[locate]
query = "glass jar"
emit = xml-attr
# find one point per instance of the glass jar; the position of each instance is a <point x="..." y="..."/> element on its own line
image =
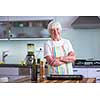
<point x="30" y="49"/>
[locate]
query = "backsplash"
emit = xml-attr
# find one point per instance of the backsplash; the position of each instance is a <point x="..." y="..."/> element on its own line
<point x="17" y="49"/>
<point x="86" y="42"/>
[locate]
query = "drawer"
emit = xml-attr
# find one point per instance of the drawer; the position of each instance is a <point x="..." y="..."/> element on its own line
<point x="97" y="79"/>
<point x="97" y="72"/>
<point x="92" y="73"/>
<point x="81" y="71"/>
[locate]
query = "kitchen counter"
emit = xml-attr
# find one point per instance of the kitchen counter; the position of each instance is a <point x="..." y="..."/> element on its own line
<point x="86" y="66"/>
<point x="12" y="66"/>
<point x="28" y="80"/>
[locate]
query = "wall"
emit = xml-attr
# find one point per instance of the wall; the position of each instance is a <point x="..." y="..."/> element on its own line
<point x="86" y="43"/>
<point x="17" y="49"/>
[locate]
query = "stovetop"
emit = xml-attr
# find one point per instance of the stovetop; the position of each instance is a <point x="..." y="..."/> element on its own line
<point x="87" y="62"/>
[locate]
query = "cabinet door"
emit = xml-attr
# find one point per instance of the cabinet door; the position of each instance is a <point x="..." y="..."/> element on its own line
<point x="13" y="78"/>
<point x="9" y="71"/>
<point x="91" y="72"/>
<point x="81" y="71"/>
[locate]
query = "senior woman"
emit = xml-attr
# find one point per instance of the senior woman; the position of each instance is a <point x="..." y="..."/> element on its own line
<point x="58" y="52"/>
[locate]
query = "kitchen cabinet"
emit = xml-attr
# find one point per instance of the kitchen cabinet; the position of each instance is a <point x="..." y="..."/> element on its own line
<point x="9" y="71"/>
<point x="38" y="29"/>
<point x="12" y="27"/>
<point x="91" y="72"/>
<point x="14" y="73"/>
<point x="94" y="73"/>
<point x="88" y="72"/>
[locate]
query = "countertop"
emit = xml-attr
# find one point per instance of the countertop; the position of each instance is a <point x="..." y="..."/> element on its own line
<point x="13" y="66"/>
<point x="25" y="66"/>
<point x="28" y="80"/>
<point x="86" y="66"/>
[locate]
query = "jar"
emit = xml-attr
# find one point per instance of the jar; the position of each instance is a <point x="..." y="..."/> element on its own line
<point x="30" y="49"/>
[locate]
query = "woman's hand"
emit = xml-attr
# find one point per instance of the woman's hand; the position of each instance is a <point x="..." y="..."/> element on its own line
<point x="54" y="61"/>
<point x="70" y="58"/>
<point x="61" y="60"/>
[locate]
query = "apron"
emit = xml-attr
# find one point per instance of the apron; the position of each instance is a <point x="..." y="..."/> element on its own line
<point x="58" y="51"/>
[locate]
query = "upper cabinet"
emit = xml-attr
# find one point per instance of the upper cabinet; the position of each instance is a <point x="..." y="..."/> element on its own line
<point x="24" y="26"/>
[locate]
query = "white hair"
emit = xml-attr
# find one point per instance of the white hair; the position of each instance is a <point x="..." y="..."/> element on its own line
<point x="54" y="24"/>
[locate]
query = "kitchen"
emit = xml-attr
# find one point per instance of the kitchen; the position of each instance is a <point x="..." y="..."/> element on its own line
<point x="85" y="41"/>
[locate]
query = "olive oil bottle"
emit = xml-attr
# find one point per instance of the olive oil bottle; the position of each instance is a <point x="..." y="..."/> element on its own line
<point x="34" y="71"/>
<point x="42" y="71"/>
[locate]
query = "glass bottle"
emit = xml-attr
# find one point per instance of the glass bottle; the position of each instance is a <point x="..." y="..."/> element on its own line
<point x="34" y="71"/>
<point x="42" y="71"/>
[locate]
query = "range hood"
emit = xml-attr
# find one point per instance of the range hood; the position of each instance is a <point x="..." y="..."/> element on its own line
<point x="86" y="22"/>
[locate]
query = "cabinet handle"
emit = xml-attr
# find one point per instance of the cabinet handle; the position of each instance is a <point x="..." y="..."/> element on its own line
<point x="97" y="70"/>
<point x="98" y="79"/>
<point x="75" y="70"/>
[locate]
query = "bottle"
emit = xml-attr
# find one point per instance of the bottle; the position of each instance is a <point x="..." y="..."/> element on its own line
<point x="46" y="69"/>
<point x="38" y="72"/>
<point x="34" y="71"/>
<point x="38" y="69"/>
<point x="42" y="71"/>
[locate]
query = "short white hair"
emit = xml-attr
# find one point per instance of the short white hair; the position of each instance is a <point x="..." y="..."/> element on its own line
<point x="54" y="24"/>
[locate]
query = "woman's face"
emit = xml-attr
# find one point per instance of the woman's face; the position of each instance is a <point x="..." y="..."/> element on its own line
<point x="55" y="33"/>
